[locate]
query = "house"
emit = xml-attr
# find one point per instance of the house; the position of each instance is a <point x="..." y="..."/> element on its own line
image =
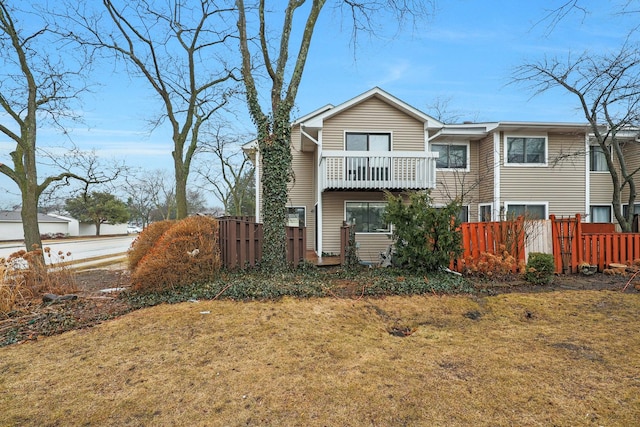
<point x="344" y="156"/>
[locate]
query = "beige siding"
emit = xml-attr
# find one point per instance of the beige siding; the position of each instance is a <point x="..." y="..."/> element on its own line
<point x="631" y="152"/>
<point x="333" y="214"/>
<point x="374" y="115"/>
<point x="562" y="185"/>
<point x="601" y="190"/>
<point x="487" y="167"/>
<point x="302" y="190"/>
<point x="451" y="184"/>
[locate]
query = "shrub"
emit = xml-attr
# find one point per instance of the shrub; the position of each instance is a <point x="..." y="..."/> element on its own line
<point x="540" y="269"/>
<point x="426" y="237"/>
<point x="24" y="276"/>
<point x="145" y="241"/>
<point x="186" y="253"/>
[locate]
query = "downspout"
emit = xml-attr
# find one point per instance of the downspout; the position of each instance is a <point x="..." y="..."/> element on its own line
<point x="495" y="214"/>
<point x="587" y="178"/>
<point x="319" y="193"/>
<point x="257" y="185"/>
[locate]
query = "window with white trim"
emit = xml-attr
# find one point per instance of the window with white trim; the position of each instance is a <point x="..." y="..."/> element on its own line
<point x="367" y="216"/>
<point x="527" y="210"/>
<point x="451" y="156"/>
<point x="485" y="213"/>
<point x="363" y="141"/>
<point x="636" y="209"/>
<point x="600" y="213"/>
<point x="526" y="150"/>
<point x="597" y="159"/>
<point x="296" y="216"/>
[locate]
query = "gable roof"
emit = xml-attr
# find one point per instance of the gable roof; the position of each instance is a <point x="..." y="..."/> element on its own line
<point x="316" y="119"/>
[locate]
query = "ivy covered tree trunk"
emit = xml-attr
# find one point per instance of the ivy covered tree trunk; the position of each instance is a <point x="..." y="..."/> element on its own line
<point x="29" y="214"/>
<point x="276" y="173"/>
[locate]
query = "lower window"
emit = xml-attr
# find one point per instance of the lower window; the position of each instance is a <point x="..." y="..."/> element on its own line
<point x="485" y="213"/>
<point x="600" y="214"/>
<point x="528" y="211"/>
<point x="296" y="217"/>
<point x="367" y="216"/>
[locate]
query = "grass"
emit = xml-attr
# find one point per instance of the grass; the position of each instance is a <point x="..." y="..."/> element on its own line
<point x="557" y="358"/>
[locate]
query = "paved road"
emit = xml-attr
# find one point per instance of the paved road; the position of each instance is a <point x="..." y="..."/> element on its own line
<point x="79" y="248"/>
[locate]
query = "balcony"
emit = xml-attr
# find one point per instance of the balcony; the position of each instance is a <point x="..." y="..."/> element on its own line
<point x="369" y="170"/>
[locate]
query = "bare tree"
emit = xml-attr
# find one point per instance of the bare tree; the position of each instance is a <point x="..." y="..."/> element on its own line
<point x="607" y="89"/>
<point x="181" y="50"/>
<point x="39" y="81"/>
<point x="284" y="66"/>
<point x="230" y="174"/>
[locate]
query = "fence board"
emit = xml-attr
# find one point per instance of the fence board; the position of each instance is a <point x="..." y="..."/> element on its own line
<point x="241" y="243"/>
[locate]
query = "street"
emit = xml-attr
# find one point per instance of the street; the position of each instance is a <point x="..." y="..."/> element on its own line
<point x="79" y="249"/>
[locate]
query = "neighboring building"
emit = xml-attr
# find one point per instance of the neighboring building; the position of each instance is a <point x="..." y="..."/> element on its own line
<point x="11" y="225"/>
<point x="345" y="155"/>
<point x="51" y="224"/>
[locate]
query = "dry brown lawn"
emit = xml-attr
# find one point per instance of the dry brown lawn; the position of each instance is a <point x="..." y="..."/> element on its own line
<point x="541" y="359"/>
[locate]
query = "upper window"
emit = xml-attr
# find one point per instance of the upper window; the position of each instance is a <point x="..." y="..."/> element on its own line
<point x="451" y="156"/>
<point x="526" y="150"/>
<point x="367" y="216"/>
<point x="597" y="159"/>
<point x="361" y="141"/>
<point x="528" y="211"/>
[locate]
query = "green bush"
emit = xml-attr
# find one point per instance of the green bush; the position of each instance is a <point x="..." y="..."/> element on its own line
<point x="425" y="237"/>
<point x="540" y="268"/>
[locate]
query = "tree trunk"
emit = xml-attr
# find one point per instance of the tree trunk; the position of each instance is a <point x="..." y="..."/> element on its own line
<point x="276" y="164"/>
<point x="29" y="214"/>
<point x="181" y="188"/>
<point x="98" y="228"/>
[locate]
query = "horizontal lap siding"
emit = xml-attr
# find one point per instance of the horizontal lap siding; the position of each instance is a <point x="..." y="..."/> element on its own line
<point x="370" y="116"/>
<point x="333" y="211"/>
<point x="486" y="167"/>
<point x="562" y="185"/>
<point x="302" y="190"/>
<point x="600" y="188"/>
<point x="452" y="184"/>
<point x="631" y="152"/>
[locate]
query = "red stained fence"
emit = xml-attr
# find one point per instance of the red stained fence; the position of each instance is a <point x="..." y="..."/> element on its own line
<point x="575" y="242"/>
<point x="491" y="237"/>
<point x="241" y="243"/>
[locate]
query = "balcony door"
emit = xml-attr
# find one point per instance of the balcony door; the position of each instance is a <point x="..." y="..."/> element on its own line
<point x="371" y="168"/>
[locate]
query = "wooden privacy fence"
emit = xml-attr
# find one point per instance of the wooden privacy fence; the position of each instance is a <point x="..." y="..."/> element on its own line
<point x="575" y="242"/>
<point x="241" y="243"/>
<point x="480" y="238"/>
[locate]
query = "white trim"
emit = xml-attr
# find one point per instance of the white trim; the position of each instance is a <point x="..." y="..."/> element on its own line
<point x="495" y="212"/>
<point x="587" y="178"/>
<point x="375" y="233"/>
<point x="467" y="144"/>
<point x="528" y="203"/>
<point x="527" y="135"/>
<point x="319" y="213"/>
<point x="257" y="185"/>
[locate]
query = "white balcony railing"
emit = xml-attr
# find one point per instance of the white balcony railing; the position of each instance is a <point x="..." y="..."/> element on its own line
<point x="365" y="170"/>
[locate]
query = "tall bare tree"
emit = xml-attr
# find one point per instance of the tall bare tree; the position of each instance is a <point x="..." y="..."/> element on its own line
<point x="607" y="90"/>
<point x="39" y="81"/>
<point x="283" y="60"/>
<point x="227" y="171"/>
<point x="181" y="49"/>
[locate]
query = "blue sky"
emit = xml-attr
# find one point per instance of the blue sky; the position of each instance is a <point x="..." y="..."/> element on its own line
<point x="465" y="53"/>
